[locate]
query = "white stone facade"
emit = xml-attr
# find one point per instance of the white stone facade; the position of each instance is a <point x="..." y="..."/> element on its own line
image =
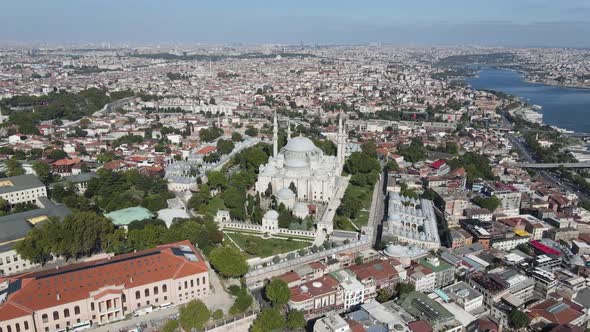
<point x="303" y="168"/>
<point x="412" y="221"/>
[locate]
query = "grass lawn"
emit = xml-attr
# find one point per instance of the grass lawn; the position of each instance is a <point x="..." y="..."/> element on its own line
<point x="257" y="246"/>
<point x="228" y="242"/>
<point x="343" y="223"/>
<point x="365" y="195"/>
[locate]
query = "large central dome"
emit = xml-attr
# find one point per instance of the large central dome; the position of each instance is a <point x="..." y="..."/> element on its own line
<point x="300" y="144"/>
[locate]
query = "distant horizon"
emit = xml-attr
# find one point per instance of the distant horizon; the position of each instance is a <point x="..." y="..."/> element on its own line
<point x="500" y="23"/>
<point x="308" y="46"/>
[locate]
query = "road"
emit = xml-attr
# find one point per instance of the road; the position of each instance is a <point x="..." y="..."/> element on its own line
<point x="377" y="211"/>
<point x="546" y="175"/>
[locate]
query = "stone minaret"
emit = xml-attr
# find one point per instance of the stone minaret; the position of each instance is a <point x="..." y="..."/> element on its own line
<point x="288" y="129"/>
<point x="275" y="137"/>
<point x="341" y="142"/>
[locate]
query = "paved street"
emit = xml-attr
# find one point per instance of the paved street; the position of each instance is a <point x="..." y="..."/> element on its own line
<point x="377" y="208"/>
<point x="546" y="175"/>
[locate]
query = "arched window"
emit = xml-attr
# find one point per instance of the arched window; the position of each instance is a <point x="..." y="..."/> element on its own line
<point x="8" y="328"/>
<point x="66" y="313"/>
<point x="155" y="290"/>
<point x="137" y="295"/>
<point x="76" y="310"/>
<point x="55" y="315"/>
<point x="1" y="329"/>
<point x="44" y="318"/>
<point x="17" y="325"/>
<point x="26" y="325"/>
<point x="146" y="292"/>
<point x="164" y="288"/>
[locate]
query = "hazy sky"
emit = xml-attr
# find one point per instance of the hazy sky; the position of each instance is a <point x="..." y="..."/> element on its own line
<point x="413" y="22"/>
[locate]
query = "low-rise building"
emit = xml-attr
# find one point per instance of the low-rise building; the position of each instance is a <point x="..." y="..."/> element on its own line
<point x="22" y="189"/>
<point x="317" y="296"/>
<point x="15" y="227"/>
<point x="465" y="296"/>
<point x="102" y="291"/>
<point x="444" y="273"/>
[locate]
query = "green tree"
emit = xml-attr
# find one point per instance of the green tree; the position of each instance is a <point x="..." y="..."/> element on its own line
<point x="277" y="291"/>
<point x="518" y="319"/>
<point x="234" y="199"/>
<point x="225" y="146"/>
<point x="14" y="168"/>
<point x="413" y="152"/>
<point x="491" y="203"/>
<point x="404" y="288"/>
<point x="210" y="134"/>
<point x="148" y="237"/>
<point x="217" y="314"/>
<point x="242" y="303"/>
<point x="4" y="206"/>
<point x="236" y="137"/>
<point x="200" y="198"/>
<point x="79" y="234"/>
<point x="154" y="202"/>
<point x="251" y="131"/>
<point x="360" y="162"/>
<point x="43" y="171"/>
<point x="57" y="154"/>
<point x="392" y="166"/>
<point x="212" y="157"/>
<point x="216" y="180"/>
<point x="476" y="166"/>
<point x="383" y="295"/>
<point x="228" y="261"/>
<point x="269" y="319"/>
<point x="171" y="326"/>
<point x="369" y="148"/>
<point x="194" y="315"/>
<point x="34" y="247"/>
<point x="296" y="320"/>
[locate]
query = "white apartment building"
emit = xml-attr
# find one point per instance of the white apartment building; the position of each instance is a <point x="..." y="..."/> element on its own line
<point x="22" y="189"/>
<point x="353" y="291"/>
<point x="464" y="296"/>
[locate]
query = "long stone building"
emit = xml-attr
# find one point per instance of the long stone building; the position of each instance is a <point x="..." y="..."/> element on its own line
<point x="102" y="291"/>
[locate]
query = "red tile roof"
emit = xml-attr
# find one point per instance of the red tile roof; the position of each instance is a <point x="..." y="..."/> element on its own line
<point x="437" y="164"/>
<point x="289" y="277"/>
<point x="420" y="326"/>
<point x="314" y="288"/>
<point x="380" y="270"/>
<point x="207" y="149"/>
<point x="39" y="290"/>
<point x="67" y="162"/>
<point x="557" y="312"/>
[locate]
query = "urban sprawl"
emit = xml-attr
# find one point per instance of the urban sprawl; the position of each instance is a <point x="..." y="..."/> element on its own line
<point x="289" y="188"/>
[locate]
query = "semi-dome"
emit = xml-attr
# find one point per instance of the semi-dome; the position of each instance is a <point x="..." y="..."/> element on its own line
<point x="285" y="193"/>
<point x="394" y="250"/>
<point x="271" y="214"/>
<point x="270" y="169"/>
<point x="296" y="162"/>
<point x="300" y="144"/>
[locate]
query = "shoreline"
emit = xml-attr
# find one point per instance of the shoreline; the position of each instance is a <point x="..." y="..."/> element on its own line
<point x="537" y="108"/>
<point x="527" y="78"/>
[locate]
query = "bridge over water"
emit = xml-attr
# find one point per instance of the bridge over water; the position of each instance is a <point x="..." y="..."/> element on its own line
<point x="553" y="165"/>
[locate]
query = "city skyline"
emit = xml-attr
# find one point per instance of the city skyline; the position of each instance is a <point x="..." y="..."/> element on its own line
<point x="501" y="23"/>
